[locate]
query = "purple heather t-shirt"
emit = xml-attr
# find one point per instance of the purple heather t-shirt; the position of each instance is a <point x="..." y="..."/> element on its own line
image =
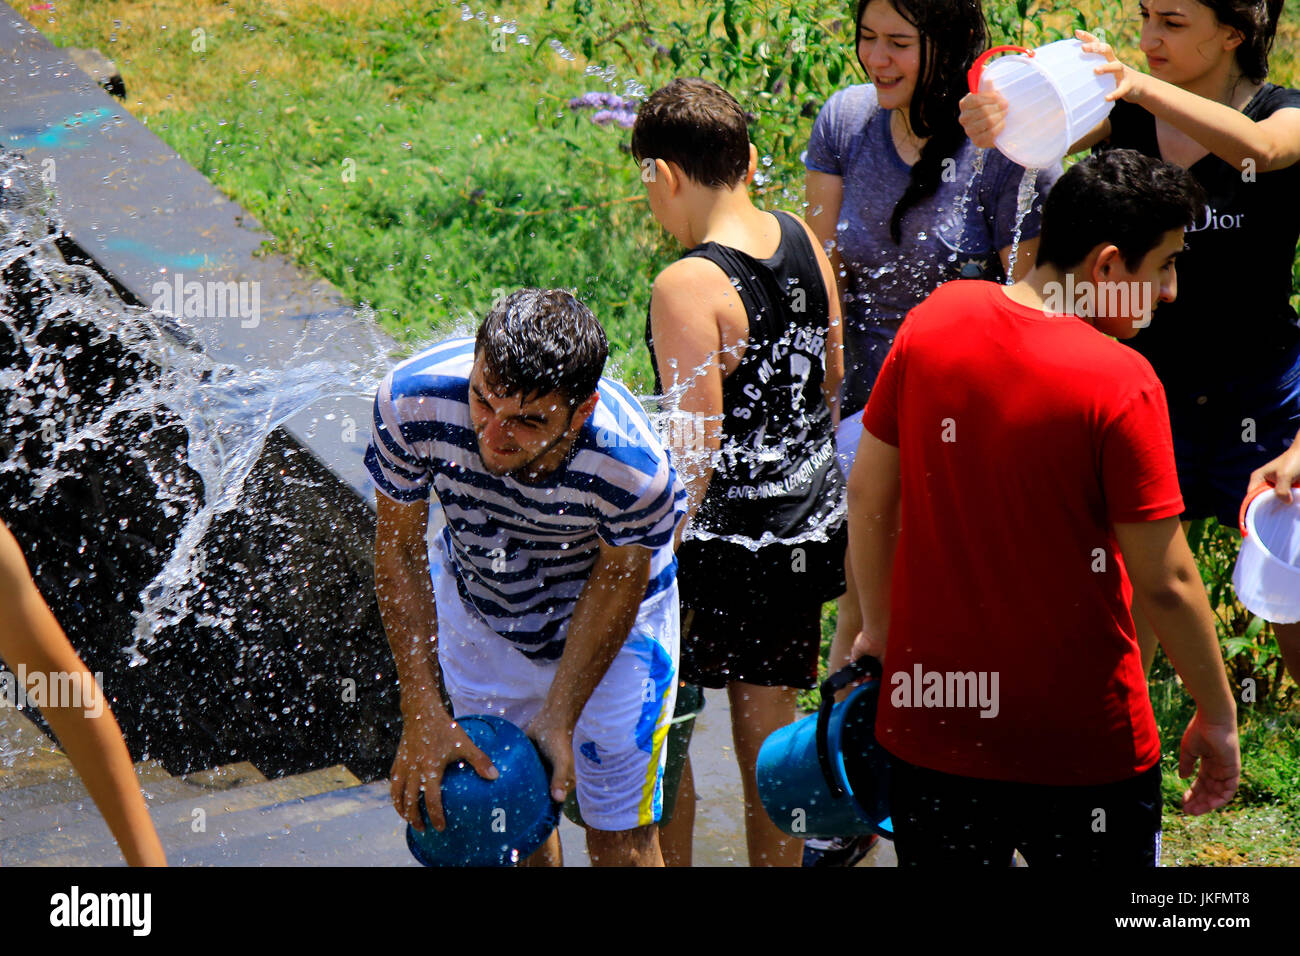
<point x="884" y="281"/>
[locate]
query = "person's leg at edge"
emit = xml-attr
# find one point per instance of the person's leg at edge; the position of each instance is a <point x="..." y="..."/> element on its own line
<point x="848" y="622"/>
<point x="548" y="854"/>
<point x="1288" y="641"/>
<point x="636" y="847"/>
<point x="677" y="835"/>
<point x="756" y="712"/>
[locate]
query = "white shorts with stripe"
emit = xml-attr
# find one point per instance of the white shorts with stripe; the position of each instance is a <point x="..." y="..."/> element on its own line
<point x="619" y="743"/>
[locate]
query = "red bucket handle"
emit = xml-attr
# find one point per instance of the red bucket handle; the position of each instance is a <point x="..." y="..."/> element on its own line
<point x="977" y="68"/>
<point x="1251" y="496"/>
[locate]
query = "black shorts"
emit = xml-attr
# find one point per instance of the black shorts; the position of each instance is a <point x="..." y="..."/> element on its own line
<point x="768" y="645"/>
<point x="944" y="820"/>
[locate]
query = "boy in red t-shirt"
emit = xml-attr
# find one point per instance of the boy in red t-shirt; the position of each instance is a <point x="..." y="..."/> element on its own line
<point x="1016" y="474"/>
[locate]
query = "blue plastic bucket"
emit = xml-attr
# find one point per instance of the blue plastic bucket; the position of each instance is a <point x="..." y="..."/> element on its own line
<point x="490" y="822"/>
<point x="825" y="775"/>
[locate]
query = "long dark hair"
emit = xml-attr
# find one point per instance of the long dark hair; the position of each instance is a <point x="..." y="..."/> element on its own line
<point x="953" y="34"/>
<point x="1257" y="21"/>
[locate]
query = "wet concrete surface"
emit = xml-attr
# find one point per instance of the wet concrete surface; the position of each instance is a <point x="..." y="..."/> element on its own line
<point x="719" y="809"/>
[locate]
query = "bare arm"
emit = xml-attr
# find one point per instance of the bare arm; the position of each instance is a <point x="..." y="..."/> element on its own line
<point x="1282" y="472"/>
<point x="1168" y="585"/>
<point x="688" y="344"/>
<point x="602" y="619"/>
<point x="875" y="496"/>
<point x="430" y="739"/>
<point x="1269" y="144"/>
<point x="31" y="637"/>
<point x="824" y="195"/>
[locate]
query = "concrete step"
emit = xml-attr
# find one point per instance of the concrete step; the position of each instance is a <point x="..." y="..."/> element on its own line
<point x="48" y="814"/>
<point x="355" y="826"/>
<point x="58" y="787"/>
<point x="352" y="827"/>
<point x="89" y="841"/>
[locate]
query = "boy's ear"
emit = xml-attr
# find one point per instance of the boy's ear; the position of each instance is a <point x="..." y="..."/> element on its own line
<point x="669" y="174"/>
<point x="753" y="164"/>
<point x="583" y="412"/>
<point x="1108" y="259"/>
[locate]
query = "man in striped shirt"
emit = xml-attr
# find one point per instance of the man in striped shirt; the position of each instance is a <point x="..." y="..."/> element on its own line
<point x="554" y="600"/>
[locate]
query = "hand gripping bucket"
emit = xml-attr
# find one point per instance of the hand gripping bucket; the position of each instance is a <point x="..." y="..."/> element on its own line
<point x="1053" y="98"/>
<point x="825" y="775"/>
<point x="490" y="822"/>
<point x="1267" y="574"/>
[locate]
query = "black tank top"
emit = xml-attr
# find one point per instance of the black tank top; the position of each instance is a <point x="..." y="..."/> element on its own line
<point x="776" y="478"/>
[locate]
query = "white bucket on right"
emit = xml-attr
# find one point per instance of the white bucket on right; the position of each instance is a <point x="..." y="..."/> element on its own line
<point x="1267" y="574"/>
<point x="1054" y="98"/>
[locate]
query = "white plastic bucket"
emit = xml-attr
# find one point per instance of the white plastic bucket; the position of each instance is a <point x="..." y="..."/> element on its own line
<point x="1267" y="575"/>
<point x="1053" y="98"/>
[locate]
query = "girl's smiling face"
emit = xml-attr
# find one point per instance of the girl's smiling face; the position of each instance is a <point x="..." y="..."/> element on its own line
<point x="889" y="49"/>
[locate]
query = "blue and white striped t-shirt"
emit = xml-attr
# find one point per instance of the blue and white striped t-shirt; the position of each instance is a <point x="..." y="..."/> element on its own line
<point x="522" y="553"/>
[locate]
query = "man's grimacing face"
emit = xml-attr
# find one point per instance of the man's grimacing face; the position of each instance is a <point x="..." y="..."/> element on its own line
<point x="514" y="433"/>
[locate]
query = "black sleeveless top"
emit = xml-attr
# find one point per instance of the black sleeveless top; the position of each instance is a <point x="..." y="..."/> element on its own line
<point x="776" y="482"/>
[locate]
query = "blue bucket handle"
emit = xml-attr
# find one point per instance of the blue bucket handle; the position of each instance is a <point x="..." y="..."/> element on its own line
<point x="866" y="666"/>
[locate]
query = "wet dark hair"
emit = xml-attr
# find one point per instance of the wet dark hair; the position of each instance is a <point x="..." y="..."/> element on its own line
<point x="537" y="341"/>
<point x="697" y="125"/>
<point x="953" y="33"/>
<point x="1119" y="197"/>
<point x="1257" y="21"/>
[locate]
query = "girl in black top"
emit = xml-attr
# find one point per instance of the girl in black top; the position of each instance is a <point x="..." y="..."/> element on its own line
<point x="1228" y="348"/>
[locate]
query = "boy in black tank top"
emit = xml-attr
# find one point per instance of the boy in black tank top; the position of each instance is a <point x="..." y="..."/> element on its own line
<point x="746" y="344"/>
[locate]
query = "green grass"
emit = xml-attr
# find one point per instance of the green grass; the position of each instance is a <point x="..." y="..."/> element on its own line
<point x="393" y="149"/>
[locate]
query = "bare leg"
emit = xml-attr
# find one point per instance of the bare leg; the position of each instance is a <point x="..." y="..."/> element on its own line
<point x="848" y="622"/>
<point x="548" y="854"/>
<point x="756" y="712"/>
<point x="675" y="838"/>
<point x="1288" y="640"/>
<point x="638" y="847"/>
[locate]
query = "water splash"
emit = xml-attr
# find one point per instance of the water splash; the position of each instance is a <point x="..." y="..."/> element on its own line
<point x="1025" y="196"/>
<point x="227" y="411"/>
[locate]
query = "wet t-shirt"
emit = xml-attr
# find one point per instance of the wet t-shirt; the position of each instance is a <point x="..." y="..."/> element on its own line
<point x="884" y="280"/>
<point x="522" y="552"/>
<point x="1232" y="325"/>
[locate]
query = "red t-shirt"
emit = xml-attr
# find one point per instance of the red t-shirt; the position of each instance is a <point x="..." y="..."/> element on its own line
<point x="1022" y="438"/>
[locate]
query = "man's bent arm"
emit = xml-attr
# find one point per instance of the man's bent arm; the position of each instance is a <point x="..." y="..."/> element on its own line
<point x="405" y="593"/>
<point x="875" y="494"/>
<point x="602" y="619"/>
<point x="430" y="740"/>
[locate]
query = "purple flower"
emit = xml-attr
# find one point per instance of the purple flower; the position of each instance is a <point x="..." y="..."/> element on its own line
<point x="601" y="99"/>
